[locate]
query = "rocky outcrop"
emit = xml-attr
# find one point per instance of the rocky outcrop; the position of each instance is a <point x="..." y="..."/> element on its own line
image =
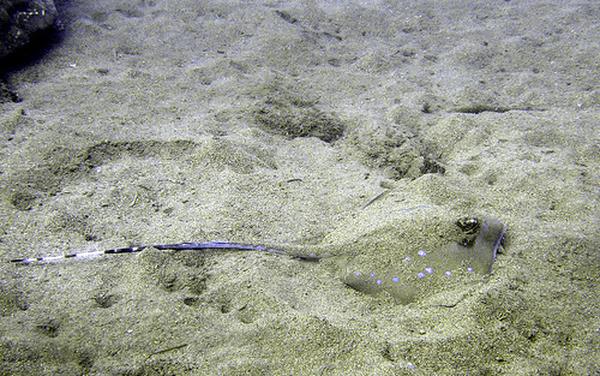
<point x="21" y="21"/>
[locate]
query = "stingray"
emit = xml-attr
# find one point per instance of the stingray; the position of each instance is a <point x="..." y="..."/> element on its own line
<point x="423" y="272"/>
<point x="380" y="262"/>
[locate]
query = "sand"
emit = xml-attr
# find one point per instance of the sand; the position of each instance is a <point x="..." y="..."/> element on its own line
<point x="307" y="123"/>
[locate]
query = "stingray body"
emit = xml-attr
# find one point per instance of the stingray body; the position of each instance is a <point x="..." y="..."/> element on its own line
<point x="421" y="272"/>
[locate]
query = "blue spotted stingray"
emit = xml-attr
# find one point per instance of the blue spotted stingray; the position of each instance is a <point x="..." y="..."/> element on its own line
<point x="414" y="274"/>
<point x="422" y="272"/>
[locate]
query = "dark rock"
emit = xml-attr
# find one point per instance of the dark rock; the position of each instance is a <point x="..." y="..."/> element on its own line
<point x="7" y="94"/>
<point x="21" y="21"/>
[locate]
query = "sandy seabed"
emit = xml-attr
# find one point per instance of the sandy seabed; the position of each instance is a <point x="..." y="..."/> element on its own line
<point x="307" y="123"/>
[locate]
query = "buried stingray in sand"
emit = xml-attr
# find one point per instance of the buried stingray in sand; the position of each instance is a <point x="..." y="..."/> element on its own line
<point x="421" y="272"/>
<point x="406" y="265"/>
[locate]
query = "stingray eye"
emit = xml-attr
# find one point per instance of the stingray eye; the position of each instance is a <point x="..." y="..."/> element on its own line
<point x="468" y="225"/>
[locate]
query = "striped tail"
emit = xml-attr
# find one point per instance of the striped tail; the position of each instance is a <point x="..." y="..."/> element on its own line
<point x="177" y="246"/>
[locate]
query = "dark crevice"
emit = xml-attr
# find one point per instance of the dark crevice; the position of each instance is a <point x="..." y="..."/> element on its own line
<point x="480" y="108"/>
<point x="286" y="17"/>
